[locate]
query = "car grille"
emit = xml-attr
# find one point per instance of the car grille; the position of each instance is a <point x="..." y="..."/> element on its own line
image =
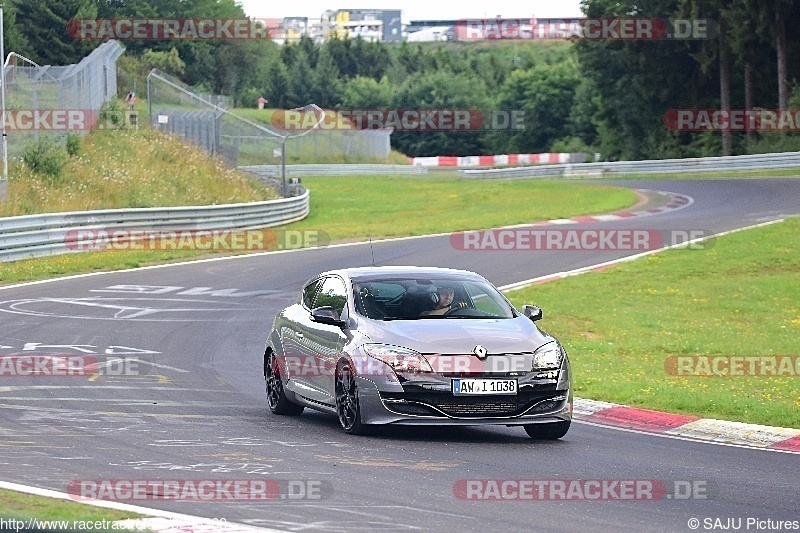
<point x="460" y="407"/>
<point x="420" y="403"/>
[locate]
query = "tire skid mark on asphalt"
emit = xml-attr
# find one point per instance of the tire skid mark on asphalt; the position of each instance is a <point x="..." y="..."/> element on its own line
<point x="32" y="445"/>
<point x="13" y="388"/>
<point x="160" y="379"/>
<point x="366" y="460"/>
<point x="198" y="525"/>
<point x="128" y="401"/>
<point x="259" y="467"/>
<point x="369" y="512"/>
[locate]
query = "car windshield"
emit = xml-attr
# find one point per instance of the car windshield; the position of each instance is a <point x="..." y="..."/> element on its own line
<point x="415" y="299"/>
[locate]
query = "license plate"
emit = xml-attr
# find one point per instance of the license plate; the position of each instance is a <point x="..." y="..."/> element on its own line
<point x="484" y="386"/>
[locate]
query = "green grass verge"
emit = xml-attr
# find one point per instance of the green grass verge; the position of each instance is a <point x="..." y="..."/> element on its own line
<point x="738" y="297"/>
<point x="347" y="208"/>
<point x="22" y="506"/>
<point x="127" y="168"/>
<point x="390" y="206"/>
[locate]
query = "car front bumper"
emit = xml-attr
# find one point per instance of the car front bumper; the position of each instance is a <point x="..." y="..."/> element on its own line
<point x="414" y="406"/>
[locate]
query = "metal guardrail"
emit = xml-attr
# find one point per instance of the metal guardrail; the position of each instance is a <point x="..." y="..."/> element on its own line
<point x="30" y="236"/>
<point x="657" y="166"/>
<point x="334" y="170"/>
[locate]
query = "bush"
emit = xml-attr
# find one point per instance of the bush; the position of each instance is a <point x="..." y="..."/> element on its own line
<point x="111" y="115"/>
<point x="73" y="144"/>
<point x="572" y="145"/>
<point x="774" y="142"/>
<point x="45" y="156"/>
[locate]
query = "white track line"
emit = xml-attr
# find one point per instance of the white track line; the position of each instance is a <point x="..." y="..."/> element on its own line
<point x="583" y="270"/>
<point x="173" y="518"/>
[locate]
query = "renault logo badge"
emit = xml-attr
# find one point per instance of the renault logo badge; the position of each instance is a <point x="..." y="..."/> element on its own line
<point x="480" y="351"/>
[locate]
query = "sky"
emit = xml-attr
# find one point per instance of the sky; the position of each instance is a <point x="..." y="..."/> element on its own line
<point x="418" y="9"/>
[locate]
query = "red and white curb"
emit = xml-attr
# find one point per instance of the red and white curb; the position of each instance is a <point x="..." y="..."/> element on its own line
<point x="493" y="160"/>
<point x="676" y="201"/>
<point x="687" y="427"/>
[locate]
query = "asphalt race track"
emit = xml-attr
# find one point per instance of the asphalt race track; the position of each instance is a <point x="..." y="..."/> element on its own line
<point x="197" y="409"/>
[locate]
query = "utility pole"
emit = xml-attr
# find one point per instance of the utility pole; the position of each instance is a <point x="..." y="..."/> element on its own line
<point x="4" y="181"/>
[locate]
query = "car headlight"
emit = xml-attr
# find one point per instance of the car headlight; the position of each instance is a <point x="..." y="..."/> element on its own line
<point x="398" y="358"/>
<point x="547" y="357"/>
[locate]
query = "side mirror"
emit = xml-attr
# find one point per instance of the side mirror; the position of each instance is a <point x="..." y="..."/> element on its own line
<point x="532" y="312"/>
<point x="327" y="315"/>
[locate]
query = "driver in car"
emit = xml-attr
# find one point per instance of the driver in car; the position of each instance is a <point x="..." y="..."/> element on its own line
<point x="444" y="302"/>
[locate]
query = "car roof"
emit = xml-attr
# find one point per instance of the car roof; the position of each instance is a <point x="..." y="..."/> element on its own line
<point x="366" y="273"/>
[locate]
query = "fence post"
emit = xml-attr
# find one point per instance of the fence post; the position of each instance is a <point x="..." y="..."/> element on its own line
<point x="283" y="167"/>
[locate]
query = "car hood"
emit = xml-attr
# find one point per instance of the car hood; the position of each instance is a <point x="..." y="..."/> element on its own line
<point x="457" y="336"/>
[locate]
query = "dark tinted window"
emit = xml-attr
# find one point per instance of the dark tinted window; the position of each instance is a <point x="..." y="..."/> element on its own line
<point x="407" y="299"/>
<point x="332" y="293"/>
<point x="309" y="292"/>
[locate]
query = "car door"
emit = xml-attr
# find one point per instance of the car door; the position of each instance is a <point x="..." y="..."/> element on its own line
<point x="327" y="341"/>
<point x="298" y="352"/>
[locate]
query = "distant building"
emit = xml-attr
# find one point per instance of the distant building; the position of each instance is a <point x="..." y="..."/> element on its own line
<point x="433" y="33"/>
<point x="292" y="29"/>
<point x="392" y="26"/>
<point x="384" y="25"/>
<point x="369" y="24"/>
<point x="431" y="30"/>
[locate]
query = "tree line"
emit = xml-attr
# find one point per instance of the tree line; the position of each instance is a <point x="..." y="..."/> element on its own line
<point x="605" y="96"/>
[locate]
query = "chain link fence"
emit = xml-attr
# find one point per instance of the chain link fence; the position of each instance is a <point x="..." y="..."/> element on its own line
<point x="56" y="100"/>
<point x="207" y="121"/>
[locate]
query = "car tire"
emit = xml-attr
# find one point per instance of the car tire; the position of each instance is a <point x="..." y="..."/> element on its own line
<point x="552" y="431"/>
<point x="347" y="405"/>
<point x="278" y="403"/>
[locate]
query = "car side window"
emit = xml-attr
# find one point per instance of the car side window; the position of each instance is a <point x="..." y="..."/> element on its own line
<point x="332" y="293"/>
<point x="310" y="292"/>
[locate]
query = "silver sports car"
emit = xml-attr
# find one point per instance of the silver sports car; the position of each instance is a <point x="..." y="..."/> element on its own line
<point x="411" y="345"/>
